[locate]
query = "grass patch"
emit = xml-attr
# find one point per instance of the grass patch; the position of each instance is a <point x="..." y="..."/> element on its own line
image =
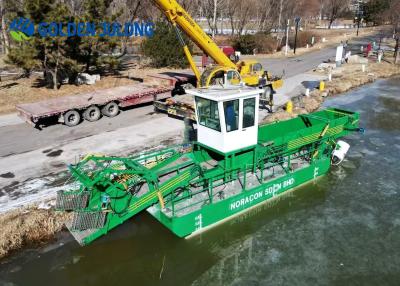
<point x="28" y="227"/>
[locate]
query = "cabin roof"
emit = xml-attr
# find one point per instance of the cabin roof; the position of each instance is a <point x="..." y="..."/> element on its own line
<point x="223" y="93"/>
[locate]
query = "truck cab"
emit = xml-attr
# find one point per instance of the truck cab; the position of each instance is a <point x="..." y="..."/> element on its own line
<point x="227" y="119"/>
<point x="220" y="76"/>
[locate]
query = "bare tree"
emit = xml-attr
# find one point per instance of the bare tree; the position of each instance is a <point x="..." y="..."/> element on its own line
<point x="211" y="12"/>
<point x="335" y="9"/>
<point x="231" y="10"/>
<point x="191" y="6"/>
<point x="4" y="36"/>
<point x="243" y="15"/>
<point x="266" y="13"/>
<point x="394" y="8"/>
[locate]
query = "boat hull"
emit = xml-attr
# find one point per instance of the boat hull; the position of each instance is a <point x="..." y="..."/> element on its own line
<point x="213" y="214"/>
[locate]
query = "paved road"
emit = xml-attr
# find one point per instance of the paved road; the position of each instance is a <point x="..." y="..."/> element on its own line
<point x="30" y="160"/>
<point x="296" y="65"/>
<point x="20" y="138"/>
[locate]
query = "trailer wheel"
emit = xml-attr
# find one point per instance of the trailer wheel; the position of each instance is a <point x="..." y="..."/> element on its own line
<point x="72" y="118"/>
<point x="92" y="113"/>
<point x="111" y="109"/>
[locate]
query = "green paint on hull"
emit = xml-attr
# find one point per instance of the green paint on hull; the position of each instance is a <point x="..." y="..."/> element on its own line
<point x="190" y="187"/>
<point x="212" y="214"/>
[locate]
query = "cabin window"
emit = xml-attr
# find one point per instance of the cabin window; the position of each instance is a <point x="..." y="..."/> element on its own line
<point x="232" y="75"/>
<point x="257" y="67"/>
<point x="249" y="110"/>
<point x="207" y="113"/>
<point x="231" y="109"/>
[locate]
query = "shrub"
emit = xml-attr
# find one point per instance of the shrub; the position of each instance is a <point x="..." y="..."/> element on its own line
<point x="164" y="48"/>
<point x="108" y="64"/>
<point x="246" y="44"/>
<point x="260" y="42"/>
<point x="303" y="38"/>
<point x="266" y="44"/>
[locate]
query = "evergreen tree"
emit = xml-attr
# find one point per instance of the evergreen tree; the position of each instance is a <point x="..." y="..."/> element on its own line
<point x="56" y="64"/>
<point x="97" y="51"/>
<point x="375" y="11"/>
<point x="25" y="56"/>
<point x="63" y="57"/>
<point x="164" y="48"/>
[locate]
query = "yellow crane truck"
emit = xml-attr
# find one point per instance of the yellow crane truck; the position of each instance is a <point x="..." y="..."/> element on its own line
<point x="225" y="72"/>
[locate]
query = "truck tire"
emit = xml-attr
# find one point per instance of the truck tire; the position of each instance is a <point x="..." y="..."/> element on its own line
<point x="72" y="118"/>
<point x="92" y="113"/>
<point x="111" y="109"/>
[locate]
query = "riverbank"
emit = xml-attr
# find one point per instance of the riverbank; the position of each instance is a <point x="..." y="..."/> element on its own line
<point x="344" y="78"/>
<point x="29" y="227"/>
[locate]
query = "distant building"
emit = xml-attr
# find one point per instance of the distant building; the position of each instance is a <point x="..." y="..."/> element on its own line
<point x="358" y="7"/>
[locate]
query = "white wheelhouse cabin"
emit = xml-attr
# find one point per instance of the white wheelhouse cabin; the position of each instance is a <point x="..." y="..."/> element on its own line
<point x="227" y="118"/>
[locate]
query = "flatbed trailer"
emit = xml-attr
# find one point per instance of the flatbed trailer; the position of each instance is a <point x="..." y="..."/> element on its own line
<point x="90" y="106"/>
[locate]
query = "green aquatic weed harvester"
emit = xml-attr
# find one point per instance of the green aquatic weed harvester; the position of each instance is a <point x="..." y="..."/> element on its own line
<point x="233" y="166"/>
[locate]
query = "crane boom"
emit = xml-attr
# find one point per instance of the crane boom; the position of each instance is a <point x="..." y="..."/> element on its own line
<point x="178" y="16"/>
<point x="226" y="71"/>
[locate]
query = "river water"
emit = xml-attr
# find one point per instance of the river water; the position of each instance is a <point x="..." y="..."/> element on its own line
<point x="343" y="229"/>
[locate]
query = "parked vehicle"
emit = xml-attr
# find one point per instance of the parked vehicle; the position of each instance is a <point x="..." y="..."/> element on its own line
<point x="70" y="110"/>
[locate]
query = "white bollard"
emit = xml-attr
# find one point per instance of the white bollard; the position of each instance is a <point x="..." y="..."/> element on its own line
<point x="330" y="76"/>
<point x="362" y="49"/>
<point x="307" y="92"/>
<point x="380" y="55"/>
<point x="363" y="68"/>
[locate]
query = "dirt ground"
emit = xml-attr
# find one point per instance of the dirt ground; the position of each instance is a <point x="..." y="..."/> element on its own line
<point x="28" y="227"/>
<point x="25" y="90"/>
<point x="332" y="38"/>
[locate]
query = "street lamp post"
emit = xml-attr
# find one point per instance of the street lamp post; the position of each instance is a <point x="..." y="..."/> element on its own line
<point x="287" y="38"/>
<point x="358" y="24"/>
<point x="396" y="49"/>
<point x="297" y="21"/>
<point x="358" y="17"/>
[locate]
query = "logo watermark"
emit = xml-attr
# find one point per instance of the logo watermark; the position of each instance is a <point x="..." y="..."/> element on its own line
<point x="22" y="29"/>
